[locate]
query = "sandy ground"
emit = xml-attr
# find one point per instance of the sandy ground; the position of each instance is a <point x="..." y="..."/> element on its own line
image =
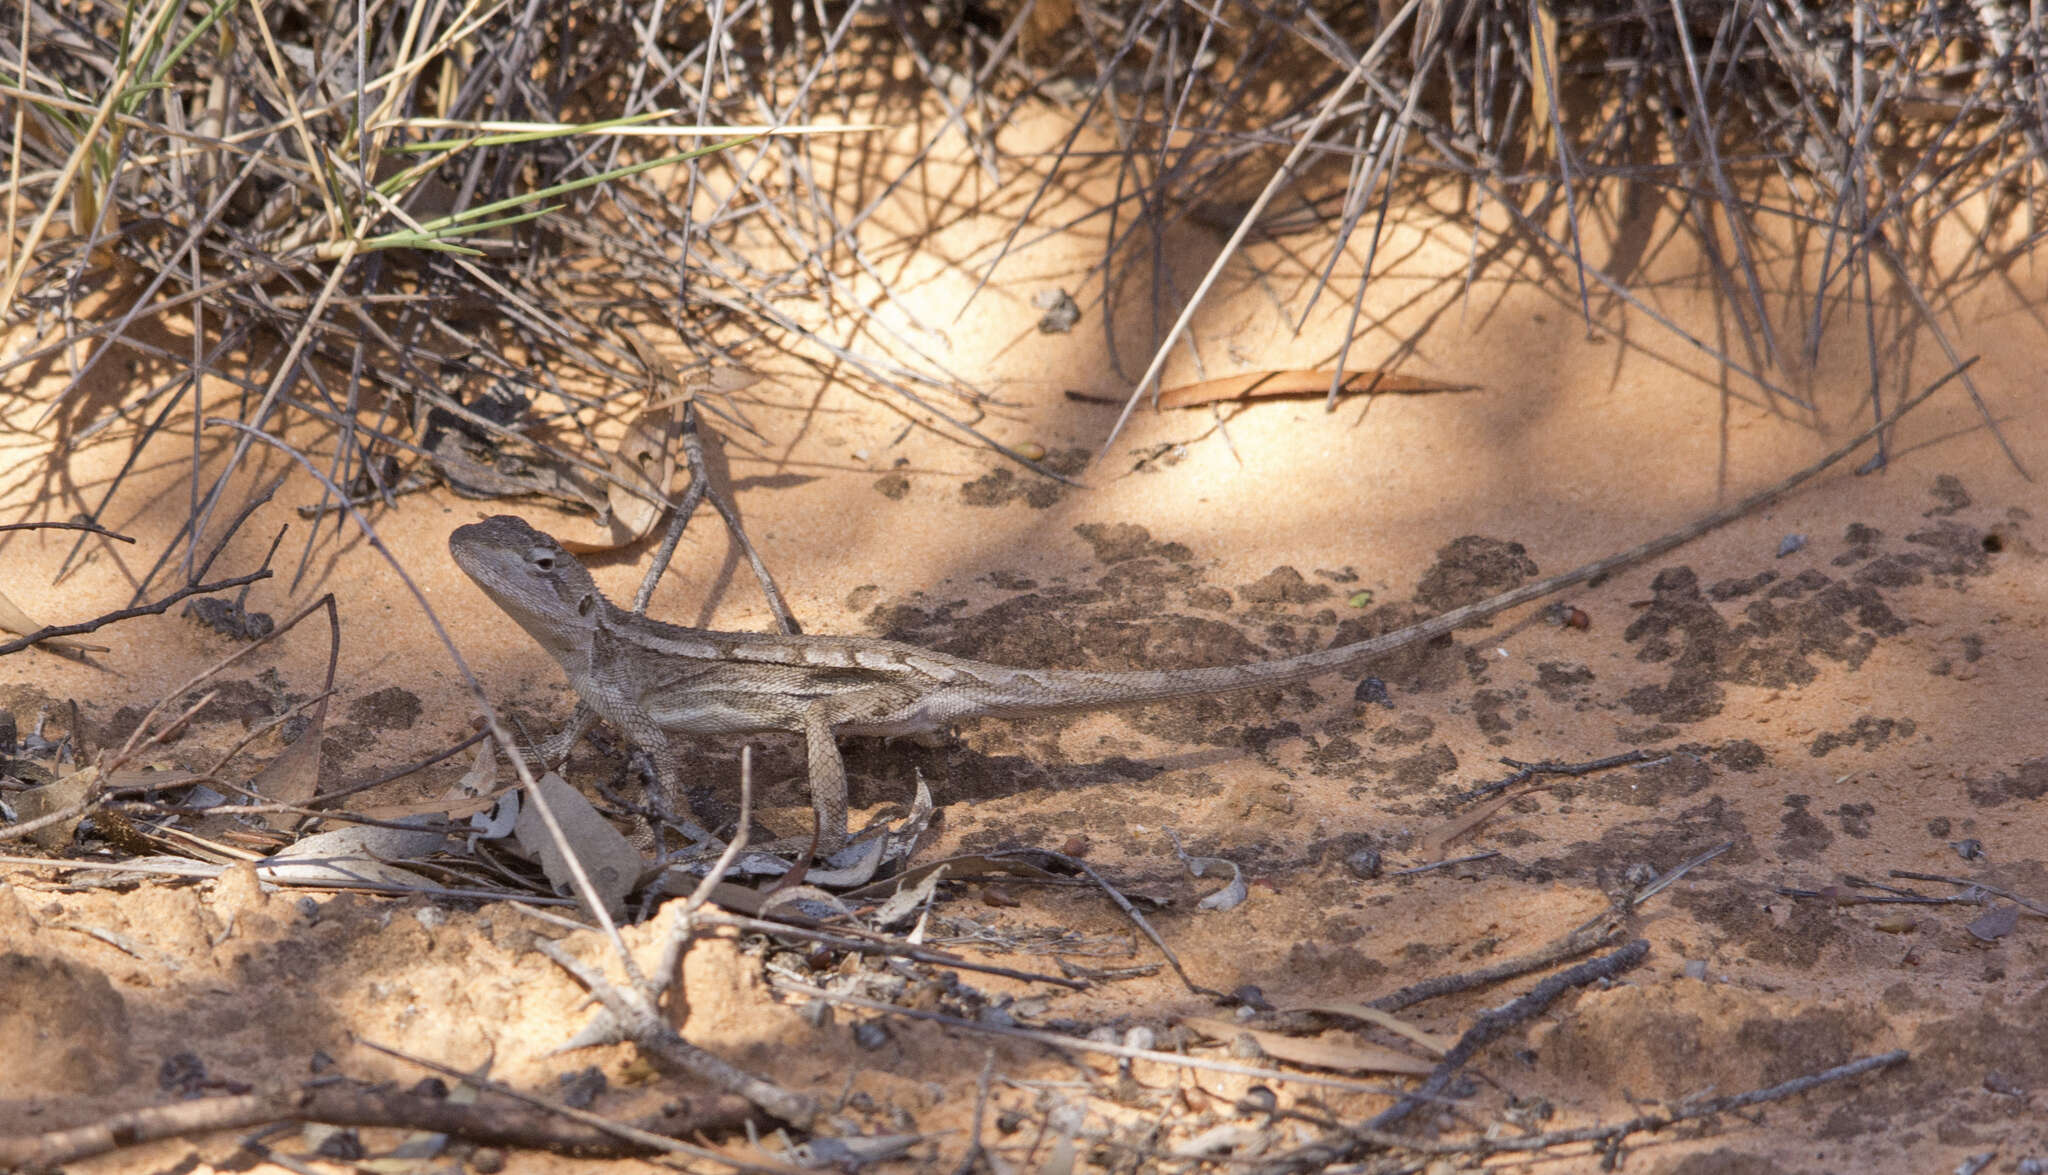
<point x="1864" y="701"/>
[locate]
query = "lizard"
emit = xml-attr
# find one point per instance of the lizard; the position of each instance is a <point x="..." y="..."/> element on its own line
<point x="653" y="679"/>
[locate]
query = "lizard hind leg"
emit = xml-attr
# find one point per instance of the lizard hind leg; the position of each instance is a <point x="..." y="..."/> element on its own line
<point x="828" y="780"/>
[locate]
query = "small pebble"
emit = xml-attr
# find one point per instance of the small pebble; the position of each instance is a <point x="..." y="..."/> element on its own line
<point x="1365" y="864"/>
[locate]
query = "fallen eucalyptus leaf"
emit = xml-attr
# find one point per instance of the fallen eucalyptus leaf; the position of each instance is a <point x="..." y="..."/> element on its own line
<point x="907" y="900"/>
<point x="18" y="622"/>
<point x="67" y="792"/>
<point x="608" y="858"/>
<point x="358" y="853"/>
<point x="1339" y="1051"/>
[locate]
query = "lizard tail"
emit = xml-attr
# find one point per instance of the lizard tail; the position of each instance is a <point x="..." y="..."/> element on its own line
<point x="1055" y="691"/>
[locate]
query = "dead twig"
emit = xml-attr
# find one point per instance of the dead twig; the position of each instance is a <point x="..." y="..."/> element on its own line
<point x="638" y="1020"/>
<point x="120" y="614"/>
<point x="1061" y="1040"/>
<point x="94" y="527"/>
<point x="1584" y="940"/>
<point x="496" y="1119"/>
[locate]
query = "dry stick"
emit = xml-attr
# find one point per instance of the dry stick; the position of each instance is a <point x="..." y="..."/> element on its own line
<point x="136" y="739"/>
<point x="95" y="795"/>
<point x="1496" y="1022"/>
<point x="2008" y="895"/>
<point x="636" y="1017"/>
<point x="1595" y="933"/>
<point x="1490" y="1025"/>
<point x="1581" y="941"/>
<point x="733" y="849"/>
<point x="114" y="617"/>
<point x="185" y="528"/>
<point x="328" y="799"/>
<point x="1527" y="771"/>
<point x="988" y="1068"/>
<point x="644" y="1026"/>
<point x="1082" y="1045"/>
<point x="1122" y="903"/>
<point x="1447" y="863"/>
<point x="619" y="1130"/>
<point x="884" y="947"/>
<point x="494" y="1122"/>
<point x="91" y="526"/>
<point x="1615" y="1134"/>
<point x="1671" y="877"/>
<point x="204" y="870"/>
<point x="1244" y="227"/>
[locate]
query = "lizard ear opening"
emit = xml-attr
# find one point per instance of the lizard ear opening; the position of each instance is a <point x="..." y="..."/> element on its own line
<point x="584" y="605"/>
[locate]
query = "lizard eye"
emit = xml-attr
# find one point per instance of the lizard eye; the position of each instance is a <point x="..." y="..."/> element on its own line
<point x="542" y="558"/>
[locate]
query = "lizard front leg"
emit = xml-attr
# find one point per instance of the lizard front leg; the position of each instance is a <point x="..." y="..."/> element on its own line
<point x="555" y="751"/>
<point x="668" y="779"/>
<point x="828" y="779"/>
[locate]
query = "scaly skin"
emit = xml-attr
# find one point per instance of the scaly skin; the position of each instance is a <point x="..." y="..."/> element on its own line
<point x="653" y="679"/>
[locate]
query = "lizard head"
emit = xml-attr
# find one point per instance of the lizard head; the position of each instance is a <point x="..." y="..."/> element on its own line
<point x="533" y="578"/>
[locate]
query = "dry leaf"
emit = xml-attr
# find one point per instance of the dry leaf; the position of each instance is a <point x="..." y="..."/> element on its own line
<point x="645" y="461"/>
<point x="963" y="868"/>
<point x="452" y="806"/>
<point x="1433" y="841"/>
<point x="723" y="380"/>
<point x="907" y="900"/>
<point x="294" y="776"/>
<point x="16" y="621"/>
<point x="1232" y="895"/>
<point x="1260" y="385"/>
<point x="482" y="776"/>
<point x="608" y="858"/>
<point x="1995" y="924"/>
<point x="1340" y="1051"/>
<point x="358" y="853"/>
<point x="67" y="792"/>
<point x="1542" y="125"/>
<point x="1366" y="1013"/>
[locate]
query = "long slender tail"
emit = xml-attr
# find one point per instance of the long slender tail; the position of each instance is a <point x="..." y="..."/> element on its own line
<point x="1051" y="691"/>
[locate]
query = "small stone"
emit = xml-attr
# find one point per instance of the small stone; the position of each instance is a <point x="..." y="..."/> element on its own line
<point x="1365" y="864"/>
